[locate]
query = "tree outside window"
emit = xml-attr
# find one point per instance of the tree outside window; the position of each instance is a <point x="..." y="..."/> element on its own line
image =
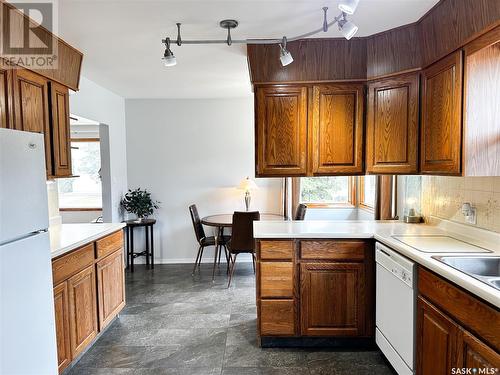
<point x="84" y="191"/>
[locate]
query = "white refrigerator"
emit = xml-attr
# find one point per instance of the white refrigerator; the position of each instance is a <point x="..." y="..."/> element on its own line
<point x="27" y="322"/>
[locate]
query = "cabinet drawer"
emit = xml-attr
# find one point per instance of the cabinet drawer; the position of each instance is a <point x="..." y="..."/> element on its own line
<point x="70" y="264"/>
<point x="277" y="318"/>
<point x="109" y="244"/>
<point x="276" y="250"/>
<point x="335" y="250"/>
<point x="276" y="279"/>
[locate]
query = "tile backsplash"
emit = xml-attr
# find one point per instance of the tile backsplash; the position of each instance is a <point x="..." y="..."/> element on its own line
<point x="443" y="197"/>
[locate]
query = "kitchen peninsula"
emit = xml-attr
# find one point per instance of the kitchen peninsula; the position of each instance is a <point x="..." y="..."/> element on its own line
<point x="316" y="279"/>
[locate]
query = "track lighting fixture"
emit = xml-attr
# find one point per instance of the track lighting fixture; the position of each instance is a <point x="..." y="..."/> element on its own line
<point x="168" y="57"/>
<point x="346" y="28"/>
<point x="285" y="55"/>
<point x="348" y="6"/>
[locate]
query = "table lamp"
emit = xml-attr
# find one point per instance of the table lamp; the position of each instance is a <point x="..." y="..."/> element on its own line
<point x="247" y="185"/>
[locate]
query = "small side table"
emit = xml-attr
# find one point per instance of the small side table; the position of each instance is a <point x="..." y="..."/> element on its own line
<point x="149" y="250"/>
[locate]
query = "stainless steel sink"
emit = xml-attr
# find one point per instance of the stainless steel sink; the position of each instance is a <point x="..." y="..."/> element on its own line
<point x="485" y="269"/>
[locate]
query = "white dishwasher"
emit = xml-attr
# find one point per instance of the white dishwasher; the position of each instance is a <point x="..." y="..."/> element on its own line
<point x="395" y="308"/>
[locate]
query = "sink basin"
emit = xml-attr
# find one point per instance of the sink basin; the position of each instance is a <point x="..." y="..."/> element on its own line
<point x="485" y="269"/>
<point x="495" y="283"/>
<point x="479" y="266"/>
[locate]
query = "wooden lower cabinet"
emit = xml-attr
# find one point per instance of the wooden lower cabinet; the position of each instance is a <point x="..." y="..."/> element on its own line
<point x="276" y="279"/>
<point x="61" y="307"/>
<point x="446" y="318"/>
<point x="473" y="353"/>
<point x="89" y="293"/>
<point x="277" y="317"/>
<point x="331" y="299"/>
<point x="315" y="288"/>
<point x="82" y="309"/>
<point x="437" y="336"/>
<point x="111" y="287"/>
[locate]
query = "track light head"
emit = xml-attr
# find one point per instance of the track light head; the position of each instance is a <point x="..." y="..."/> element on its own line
<point x="347" y="28"/>
<point x="168" y="57"/>
<point x="285" y="55"/>
<point x="348" y="6"/>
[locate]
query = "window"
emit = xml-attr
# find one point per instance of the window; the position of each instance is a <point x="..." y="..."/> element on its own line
<point x="85" y="191"/>
<point x="332" y="192"/>
<point x="326" y="191"/>
<point x="367" y="192"/>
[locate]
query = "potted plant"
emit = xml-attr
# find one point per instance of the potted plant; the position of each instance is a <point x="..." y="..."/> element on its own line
<point x="139" y="202"/>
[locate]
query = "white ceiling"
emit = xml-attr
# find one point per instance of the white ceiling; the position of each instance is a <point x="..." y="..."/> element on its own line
<point x="121" y="40"/>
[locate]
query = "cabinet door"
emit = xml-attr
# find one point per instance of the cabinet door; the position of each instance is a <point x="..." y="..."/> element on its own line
<point x="481" y="102"/>
<point x="82" y="309"/>
<point x="436" y="340"/>
<point x="473" y="353"/>
<point x="110" y="287"/>
<point x="60" y="129"/>
<point x="61" y="305"/>
<point x="392" y="125"/>
<point x="337" y="129"/>
<point x="281" y="115"/>
<point x="331" y="299"/>
<point x="31" y="107"/>
<point x="441" y="132"/>
<point x="6" y="118"/>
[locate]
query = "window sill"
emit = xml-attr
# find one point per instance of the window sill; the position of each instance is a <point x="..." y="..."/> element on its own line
<point x="329" y="206"/>
<point x="70" y="209"/>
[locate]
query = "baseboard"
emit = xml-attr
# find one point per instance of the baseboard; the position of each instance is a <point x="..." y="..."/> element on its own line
<point x="186" y="261"/>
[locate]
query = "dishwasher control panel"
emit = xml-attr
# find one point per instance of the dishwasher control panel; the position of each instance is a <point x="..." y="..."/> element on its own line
<point x="398" y="265"/>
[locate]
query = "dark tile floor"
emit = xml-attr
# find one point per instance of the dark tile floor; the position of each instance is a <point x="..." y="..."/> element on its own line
<point x="178" y="324"/>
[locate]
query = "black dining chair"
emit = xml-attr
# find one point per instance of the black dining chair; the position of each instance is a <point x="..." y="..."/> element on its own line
<point x="300" y="213"/>
<point x="242" y="240"/>
<point x="202" y="239"/>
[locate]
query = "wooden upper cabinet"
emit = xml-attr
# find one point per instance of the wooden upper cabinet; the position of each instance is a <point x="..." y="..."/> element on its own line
<point x="336" y="133"/>
<point x="6" y="115"/>
<point x="61" y="308"/>
<point x="392" y="125"/>
<point x="110" y="287"/>
<point x="59" y="106"/>
<point x="332" y="299"/>
<point x="82" y="309"/>
<point x="281" y="115"/>
<point x="481" y="105"/>
<point x="441" y="132"/>
<point x="436" y="340"/>
<point x="31" y="107"/>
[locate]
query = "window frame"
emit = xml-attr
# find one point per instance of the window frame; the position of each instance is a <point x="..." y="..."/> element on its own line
<point x="81" y="209"/>
<point x="351" y="203"/>
<point x="361" y="203"/>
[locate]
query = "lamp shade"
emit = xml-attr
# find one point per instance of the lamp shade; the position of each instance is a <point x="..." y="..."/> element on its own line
<point x="247" y="184"/>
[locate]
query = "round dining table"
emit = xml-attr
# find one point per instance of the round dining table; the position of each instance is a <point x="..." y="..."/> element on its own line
<point x="222" y="221"/>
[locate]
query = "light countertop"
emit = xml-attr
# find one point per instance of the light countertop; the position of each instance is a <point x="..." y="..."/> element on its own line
<point x="67" y="237"/>
<point x="383" y="231"/>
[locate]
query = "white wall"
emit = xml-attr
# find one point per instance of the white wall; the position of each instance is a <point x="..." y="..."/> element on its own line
<point x="193" y="151"/>
<point x="101" y="105"/>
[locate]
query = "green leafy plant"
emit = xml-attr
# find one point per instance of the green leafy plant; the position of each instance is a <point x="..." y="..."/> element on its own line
<point x="139" y="202"/>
